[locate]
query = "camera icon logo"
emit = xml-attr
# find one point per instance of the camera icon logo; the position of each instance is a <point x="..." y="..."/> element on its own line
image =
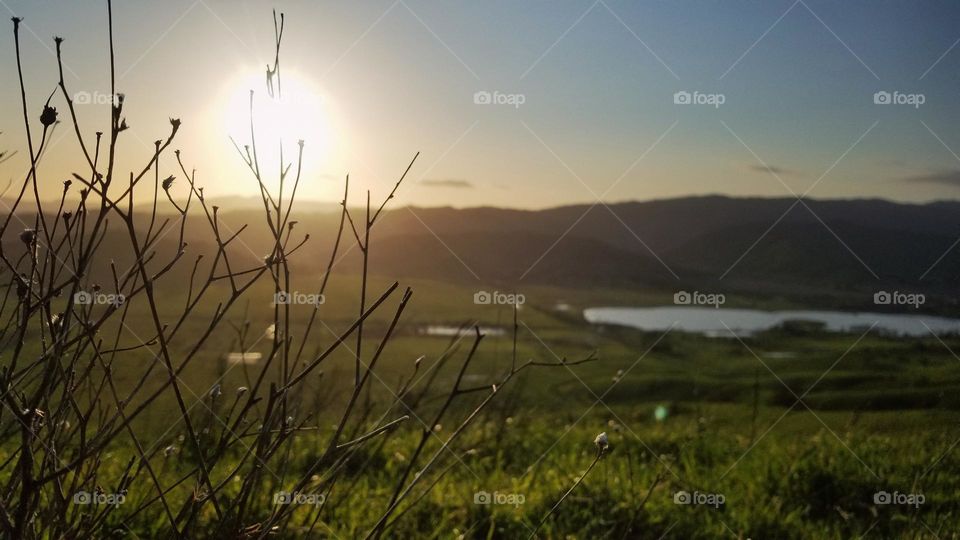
<point x="282" y="497"/>
<point x="682" y="98"/>
<point x="482" y="497"/>
<point x="482" y="297"/>
<point x="881" y="497"/>
<point x="682" y="298"/>
<point x="82" y="497"/>
<point x="882" y="98"/>
<point x="681" y="497"/>
<point x="482" y="97"/>
<point x="882" y="298"/>
<point x="83" y="298"/>
<point x="281" y="298"/>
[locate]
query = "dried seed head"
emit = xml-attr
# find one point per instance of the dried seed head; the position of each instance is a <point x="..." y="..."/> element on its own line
<point x="167" y="182"/>
<point x="602" y="443"/>
<point x="215" y="392"/>
<point x="242" y="390"/>
<point x="56" y="323"/>
<point x="22" y="289"/>
<point x="49" y="116"/>
<point x="28" y="236"/>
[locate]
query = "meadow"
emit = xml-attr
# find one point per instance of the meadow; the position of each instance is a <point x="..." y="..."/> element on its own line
<point x="684" y="414"/>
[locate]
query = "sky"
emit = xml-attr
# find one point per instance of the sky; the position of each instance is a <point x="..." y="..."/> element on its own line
<point x="525" y="104"/>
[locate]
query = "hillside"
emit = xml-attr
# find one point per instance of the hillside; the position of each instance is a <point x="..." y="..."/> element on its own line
<point x="826" y="252"/>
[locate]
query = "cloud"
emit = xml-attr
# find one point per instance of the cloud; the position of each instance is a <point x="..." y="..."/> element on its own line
<point x="950" y="177"/>
<point x="447" y="183"/>
<point x="779" y="171"/>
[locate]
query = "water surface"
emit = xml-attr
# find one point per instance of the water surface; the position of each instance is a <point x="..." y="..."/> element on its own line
<point x="744" y="322"/>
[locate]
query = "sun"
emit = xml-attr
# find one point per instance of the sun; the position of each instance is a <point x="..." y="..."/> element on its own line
<point x="296" y="111"/>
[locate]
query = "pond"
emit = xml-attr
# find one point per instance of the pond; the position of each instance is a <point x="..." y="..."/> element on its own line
<point x="719" y="322"/>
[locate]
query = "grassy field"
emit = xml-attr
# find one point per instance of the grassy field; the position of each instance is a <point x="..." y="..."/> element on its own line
<point x="790" y="434"/>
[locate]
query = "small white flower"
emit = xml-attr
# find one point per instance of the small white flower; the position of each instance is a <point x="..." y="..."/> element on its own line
<point x="215" y="392"/>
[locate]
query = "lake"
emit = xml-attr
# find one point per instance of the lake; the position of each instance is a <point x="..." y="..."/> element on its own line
<point x="714" y="322"/>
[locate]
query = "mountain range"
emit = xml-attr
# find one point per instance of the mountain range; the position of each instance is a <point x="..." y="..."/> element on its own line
<point x="815" y="251"/>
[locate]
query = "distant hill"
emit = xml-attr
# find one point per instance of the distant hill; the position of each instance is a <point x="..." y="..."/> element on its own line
<point x="700" y="238"/>
<point x="821" y="251"/>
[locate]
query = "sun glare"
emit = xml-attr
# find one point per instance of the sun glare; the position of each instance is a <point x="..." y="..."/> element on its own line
<point x="296" y="111"/>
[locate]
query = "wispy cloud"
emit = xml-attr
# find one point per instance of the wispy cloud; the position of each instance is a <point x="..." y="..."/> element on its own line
<point x="779" y="171"/>
<point x="949" y="177"/>
<point x="447" y="183"/>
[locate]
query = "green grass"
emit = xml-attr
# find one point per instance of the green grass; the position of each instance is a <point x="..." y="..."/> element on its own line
<point x="879" y="416"/>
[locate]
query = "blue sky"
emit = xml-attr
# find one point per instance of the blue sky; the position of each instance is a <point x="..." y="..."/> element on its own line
<point x="596" y="79"/>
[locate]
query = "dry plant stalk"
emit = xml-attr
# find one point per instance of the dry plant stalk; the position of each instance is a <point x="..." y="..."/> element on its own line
<point x="63" y="408"/>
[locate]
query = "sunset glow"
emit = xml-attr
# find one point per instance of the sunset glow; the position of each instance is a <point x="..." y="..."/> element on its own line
<point x="297" y="111"/>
